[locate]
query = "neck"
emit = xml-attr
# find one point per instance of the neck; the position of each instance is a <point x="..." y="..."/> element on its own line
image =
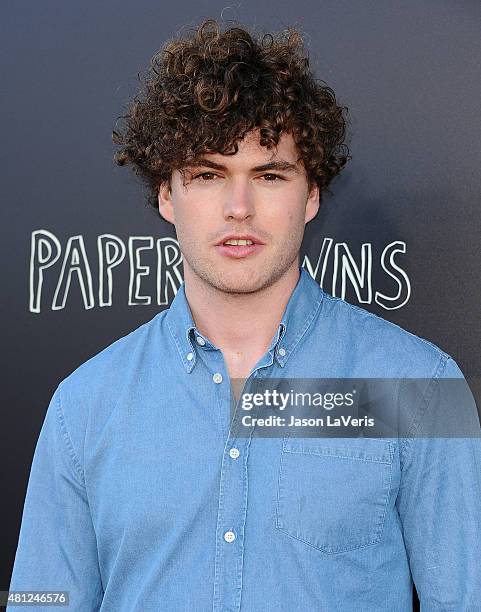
<point x="244" y="323"/>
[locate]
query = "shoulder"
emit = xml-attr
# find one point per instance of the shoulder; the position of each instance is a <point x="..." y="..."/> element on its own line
<point x="109" y="366"/>
<point x="381" y="343"/>
<point x="92" y="390"/>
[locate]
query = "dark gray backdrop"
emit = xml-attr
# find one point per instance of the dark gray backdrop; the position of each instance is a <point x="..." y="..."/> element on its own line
<point x="409" y="74"/>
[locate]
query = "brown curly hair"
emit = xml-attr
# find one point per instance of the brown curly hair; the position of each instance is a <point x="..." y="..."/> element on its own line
<point x="205" y="91"/>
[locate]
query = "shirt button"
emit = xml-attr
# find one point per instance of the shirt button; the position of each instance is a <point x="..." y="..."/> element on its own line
<point x="229" y="536"/>
<point x="200" y="341"/>
<point x="190" y="356"/>
<point x="282" y="352"/>
<point x="217" y="378"/>
<point x="234" y="453"/>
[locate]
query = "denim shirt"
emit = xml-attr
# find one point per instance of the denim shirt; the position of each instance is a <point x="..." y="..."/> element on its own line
<point x="141" y="499"/>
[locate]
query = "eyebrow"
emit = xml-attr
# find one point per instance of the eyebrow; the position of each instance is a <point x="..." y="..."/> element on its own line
<point x="279" y="164"/>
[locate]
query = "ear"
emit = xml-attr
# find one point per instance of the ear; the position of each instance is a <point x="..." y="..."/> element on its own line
<point x="166" y="208"/>
<point x="312" y="204"/>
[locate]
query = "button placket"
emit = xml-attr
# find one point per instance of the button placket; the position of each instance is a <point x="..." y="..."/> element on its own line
<point x="231" y="517"/>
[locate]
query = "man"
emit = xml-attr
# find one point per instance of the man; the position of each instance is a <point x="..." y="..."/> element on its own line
<point x="143" y="495"/>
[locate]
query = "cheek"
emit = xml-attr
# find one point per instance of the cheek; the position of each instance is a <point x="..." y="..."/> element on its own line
<point x="292" y="217"/>
<point x="193" y="222"/>
<point x="291" y="205"/>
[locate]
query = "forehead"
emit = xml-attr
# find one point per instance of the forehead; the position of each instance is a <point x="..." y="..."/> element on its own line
<point x="250" y="151"/>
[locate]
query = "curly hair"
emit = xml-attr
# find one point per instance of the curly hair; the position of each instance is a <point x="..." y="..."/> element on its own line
<point x="204" y="92"/>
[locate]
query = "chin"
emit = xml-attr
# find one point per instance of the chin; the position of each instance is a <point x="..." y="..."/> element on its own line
<point x="237" y="277"/>
<point x="238" y="283"/>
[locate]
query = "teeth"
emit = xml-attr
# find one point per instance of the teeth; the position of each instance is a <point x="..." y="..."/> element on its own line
<point x="238" y="242"/>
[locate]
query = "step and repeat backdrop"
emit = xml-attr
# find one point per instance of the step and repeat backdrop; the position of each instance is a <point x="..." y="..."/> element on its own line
<point x="86" y="261"/>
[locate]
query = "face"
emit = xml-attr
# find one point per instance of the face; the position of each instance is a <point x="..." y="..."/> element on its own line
<point x="257" y="194"/>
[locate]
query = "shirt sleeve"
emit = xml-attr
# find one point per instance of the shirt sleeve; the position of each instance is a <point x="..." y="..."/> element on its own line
<point x="439" y="500"/>
<point x="57" y="544"/>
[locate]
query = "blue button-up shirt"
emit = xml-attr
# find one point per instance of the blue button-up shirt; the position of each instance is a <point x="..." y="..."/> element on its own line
<point x="140" y="498"/>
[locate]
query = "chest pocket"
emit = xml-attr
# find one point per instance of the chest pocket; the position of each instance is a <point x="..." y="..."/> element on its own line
<point x="333" y="493"/>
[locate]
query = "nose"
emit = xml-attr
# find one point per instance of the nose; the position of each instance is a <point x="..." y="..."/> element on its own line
<point x="238" y="203"/>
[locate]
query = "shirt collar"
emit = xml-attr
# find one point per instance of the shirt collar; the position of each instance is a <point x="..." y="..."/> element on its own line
<point x="302" y="307"/>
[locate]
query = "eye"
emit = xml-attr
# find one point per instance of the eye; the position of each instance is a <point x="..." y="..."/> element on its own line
<point x="272" y="178"/>
<point x="205" y="176"/>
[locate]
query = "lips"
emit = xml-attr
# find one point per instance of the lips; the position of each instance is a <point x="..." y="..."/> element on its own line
<point x="242" y="250"/>
<point x="250" y="237"/>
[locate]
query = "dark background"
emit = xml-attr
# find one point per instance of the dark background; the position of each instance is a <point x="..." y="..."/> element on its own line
<point x="408" y="72"/>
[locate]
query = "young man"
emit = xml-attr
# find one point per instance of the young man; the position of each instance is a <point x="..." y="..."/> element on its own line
<point x="142" y="494"/>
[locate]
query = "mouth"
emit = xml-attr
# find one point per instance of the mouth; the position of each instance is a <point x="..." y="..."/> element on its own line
<point x="239" y="247"/>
